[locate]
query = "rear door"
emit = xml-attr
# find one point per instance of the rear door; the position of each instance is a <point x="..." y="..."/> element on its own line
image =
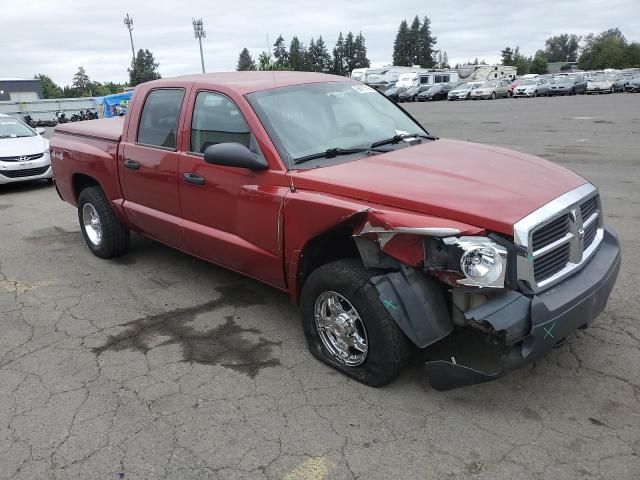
<point x="232" y="216"/>
<point x="149" y="167"/>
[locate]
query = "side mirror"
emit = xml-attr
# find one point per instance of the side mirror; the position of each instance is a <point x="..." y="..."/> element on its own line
<point x="40" y="131"/>
<point x="234" y="155"/>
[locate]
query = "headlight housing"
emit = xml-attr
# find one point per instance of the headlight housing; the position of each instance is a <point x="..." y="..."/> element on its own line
<point x="480" y="261"/>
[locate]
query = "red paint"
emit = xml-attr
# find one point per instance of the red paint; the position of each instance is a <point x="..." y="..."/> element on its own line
<point x="252" y="222"/>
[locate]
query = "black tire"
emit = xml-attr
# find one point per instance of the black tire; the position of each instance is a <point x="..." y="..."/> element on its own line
<point x="573" y="91"/>
<point x="115" y="236"/>
<point x="535" y="93"/>
<point x="388" y="348"/>
<point x="415" y="98"/>
<point x="493" y="95"/>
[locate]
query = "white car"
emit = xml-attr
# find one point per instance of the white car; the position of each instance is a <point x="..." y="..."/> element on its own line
<point x="24" y="153"/>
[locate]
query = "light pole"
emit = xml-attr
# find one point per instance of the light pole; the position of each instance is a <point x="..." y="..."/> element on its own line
<point x="128" y="21"/>
<point x="198" y="30"/>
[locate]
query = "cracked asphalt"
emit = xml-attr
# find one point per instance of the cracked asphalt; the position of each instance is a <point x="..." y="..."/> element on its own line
<point x="160" y="366"/>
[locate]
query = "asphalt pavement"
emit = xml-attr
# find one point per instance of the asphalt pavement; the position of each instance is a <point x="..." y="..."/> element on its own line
<point x="158" y="365"/>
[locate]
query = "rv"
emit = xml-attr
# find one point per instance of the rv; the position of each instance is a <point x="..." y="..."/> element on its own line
<point x="426" y="77"/>
<point x="480" y="73"/>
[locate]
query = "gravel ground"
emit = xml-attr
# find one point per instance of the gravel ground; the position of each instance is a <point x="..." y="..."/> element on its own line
<point x="157" y="365"/>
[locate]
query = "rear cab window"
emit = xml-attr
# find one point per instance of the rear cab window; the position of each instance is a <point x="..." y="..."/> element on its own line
<point x="216" y="119"/>
<point x="158" y="125"/>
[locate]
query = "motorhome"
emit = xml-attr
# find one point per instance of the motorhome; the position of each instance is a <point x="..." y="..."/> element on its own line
<point x="487" y="72"/>
<point x="426" y="77"/>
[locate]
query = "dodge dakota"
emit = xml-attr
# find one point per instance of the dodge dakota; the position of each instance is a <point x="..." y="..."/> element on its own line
<point x="388" y="238"/>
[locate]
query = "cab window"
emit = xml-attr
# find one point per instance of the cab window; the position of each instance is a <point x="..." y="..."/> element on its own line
<point x="216" y="119"/>
<point x="159" y="119"/>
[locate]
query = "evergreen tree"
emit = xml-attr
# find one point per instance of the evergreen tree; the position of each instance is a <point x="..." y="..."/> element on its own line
<point x="49" y="87"/>
<point x="318" y="56"/>
<point x="348" y="55"/>
<point x="143" y="68"/>
<point x="337" y="66"/>
<point x="245" y="61"/>
<point x="425" y="45"/>
<point x="297" y="53"/>
<point x="280" y="53"/>
<point x="265" y="61"/>
<point x="507" y="56"/>
<point x="445" y="60"/>
<point x="413" y="45"/>
<point x="401" y="49"/>
<point x="360" y="52"/>
<point x="82" y="83"/>
<point x="538" y="65"/>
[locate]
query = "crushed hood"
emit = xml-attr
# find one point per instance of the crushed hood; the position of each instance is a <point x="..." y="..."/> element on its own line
<point x="484" y="186"/>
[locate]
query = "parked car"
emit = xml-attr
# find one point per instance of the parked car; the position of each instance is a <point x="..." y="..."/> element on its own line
<point x="634" y="85"/>
<point x="568" y="85"/>
<point x="605" y="83"/>
<point x="532" y="87"/>
<point x="490" y="90"/>
<point x="388" y="238"/>
<point x="513" y="85"/>
<point x="463" y="91"/>
<point x="437" y="92"/>
<point x="24" y="153"/>
<point x="411" y="94"/>
<point x="393" y="93"/>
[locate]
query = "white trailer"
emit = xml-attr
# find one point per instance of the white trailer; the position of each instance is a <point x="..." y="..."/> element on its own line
<point x="427" y="77"/>
<point x="480" y="73"/>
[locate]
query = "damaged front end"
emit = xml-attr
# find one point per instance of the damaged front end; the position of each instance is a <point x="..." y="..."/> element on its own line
<point x="451" y="275"/>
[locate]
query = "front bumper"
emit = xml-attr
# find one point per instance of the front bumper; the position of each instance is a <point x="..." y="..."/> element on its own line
<point x="12" y="172"/>
<point x="548" y="317"/>
<point x="523" y="94"/>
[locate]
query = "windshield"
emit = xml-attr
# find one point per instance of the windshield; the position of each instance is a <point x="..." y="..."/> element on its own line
<point x="307" y="119"/>
<point x="411" y="91"/>
<point x="604" y="78"/>
<point x="489" y="84"/>
<point x="527" y="82"/>
<point x="435" y="88"/>
<point x="12" y="128"/>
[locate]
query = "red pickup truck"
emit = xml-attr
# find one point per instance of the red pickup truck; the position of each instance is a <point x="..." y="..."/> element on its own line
<point x="387" y="237"/>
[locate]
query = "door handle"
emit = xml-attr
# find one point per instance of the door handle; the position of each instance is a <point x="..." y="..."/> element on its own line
<point x="193" y="178"/>
<point x="132" y="164"/>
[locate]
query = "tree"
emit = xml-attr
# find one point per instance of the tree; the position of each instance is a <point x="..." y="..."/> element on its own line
<point x="507" y="56"/>
<point x="49" y="87"/>
<point x="297" y="54"/>
<point x="520" y="62"/>
<point x="245" y="61"/>
<point x="318" y="57"/>
<point x="337" y="67"/>
<point x="562" y="48"/>
<point x="265" y="61"/>
<point x="401" y="48"/>
<point x="81" y="82"/>
<point x="280" y="53"/>
<point x="608" y="49"/>
<point x="360" y="52"/>
<point x="445" y="60"/>
<point x="413" y="45"/>
<point x="348" y="54"/>
<point x="426" y="44"/>
<point x="538" y="65"/>
<point x="143" y="69"/>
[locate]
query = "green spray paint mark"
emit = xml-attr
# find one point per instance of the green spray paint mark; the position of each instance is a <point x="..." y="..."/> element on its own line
<point x="547" y="332"/>
<point x="389" y="305"/>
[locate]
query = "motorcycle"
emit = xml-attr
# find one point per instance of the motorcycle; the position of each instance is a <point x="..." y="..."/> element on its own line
<point x="61" y="117"/>
<point x="29" y="121"/>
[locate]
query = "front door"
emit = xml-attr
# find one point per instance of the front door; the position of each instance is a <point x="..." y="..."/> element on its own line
<point x="232" y="216"/>
<point x="149" y="168"/>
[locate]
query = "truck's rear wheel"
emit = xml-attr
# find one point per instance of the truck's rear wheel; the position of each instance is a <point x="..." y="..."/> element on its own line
<point x="105" y="236"/>
<point x="348" y="328"/>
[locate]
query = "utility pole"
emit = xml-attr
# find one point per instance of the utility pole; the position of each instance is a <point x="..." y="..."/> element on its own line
<point x="128" y="21"/>
<point x="198" y="30"/>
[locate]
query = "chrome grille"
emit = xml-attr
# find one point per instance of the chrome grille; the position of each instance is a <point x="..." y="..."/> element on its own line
<point x="25" y="172"/>
<point x="22" y="158"/>
<point x="559" y="237"/>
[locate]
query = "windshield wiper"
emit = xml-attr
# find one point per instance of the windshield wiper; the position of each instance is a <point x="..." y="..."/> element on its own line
<point x="399" y="138"/>
<point x="329" y="153"/>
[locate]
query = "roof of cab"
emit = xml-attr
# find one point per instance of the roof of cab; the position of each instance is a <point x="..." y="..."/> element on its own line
<point x="248" y="82"/>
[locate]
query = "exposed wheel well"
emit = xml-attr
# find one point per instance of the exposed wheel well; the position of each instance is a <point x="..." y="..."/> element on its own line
<point x="81" y="181"/>
<point x="332" y="245"/>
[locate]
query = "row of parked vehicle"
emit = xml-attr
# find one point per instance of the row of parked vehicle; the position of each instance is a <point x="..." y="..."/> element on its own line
<point x="528" y="86"/>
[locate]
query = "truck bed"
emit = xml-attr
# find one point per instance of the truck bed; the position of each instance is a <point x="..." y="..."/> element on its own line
<point x="105" y="128"/>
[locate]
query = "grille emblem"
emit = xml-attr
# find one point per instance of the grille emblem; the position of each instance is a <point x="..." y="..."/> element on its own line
<point x="581" y="234"/>
<point x="22" y="159"/>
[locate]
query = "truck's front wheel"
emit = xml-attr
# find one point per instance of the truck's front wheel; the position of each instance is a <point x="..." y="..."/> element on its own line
<point x="105" y="236"/>
<point x="347" y="327"/>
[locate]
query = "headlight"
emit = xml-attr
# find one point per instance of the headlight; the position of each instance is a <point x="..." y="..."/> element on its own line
<point x="483" y="262"/>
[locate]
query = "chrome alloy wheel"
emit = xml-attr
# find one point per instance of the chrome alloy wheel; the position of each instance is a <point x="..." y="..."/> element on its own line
<point x="91" y="224"/>
<point x="341" y="329"/>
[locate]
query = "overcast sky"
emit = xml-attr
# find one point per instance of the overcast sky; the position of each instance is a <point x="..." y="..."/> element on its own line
<point x="56" y="36"/>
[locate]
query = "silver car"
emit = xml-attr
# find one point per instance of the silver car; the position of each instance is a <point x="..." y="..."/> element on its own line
<point x="532" y="87"/>
<point x="491" y="89"/>
<point x="463" y="92"/>
<point x="606" y="83"/>
<point x="24" y="153"/>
